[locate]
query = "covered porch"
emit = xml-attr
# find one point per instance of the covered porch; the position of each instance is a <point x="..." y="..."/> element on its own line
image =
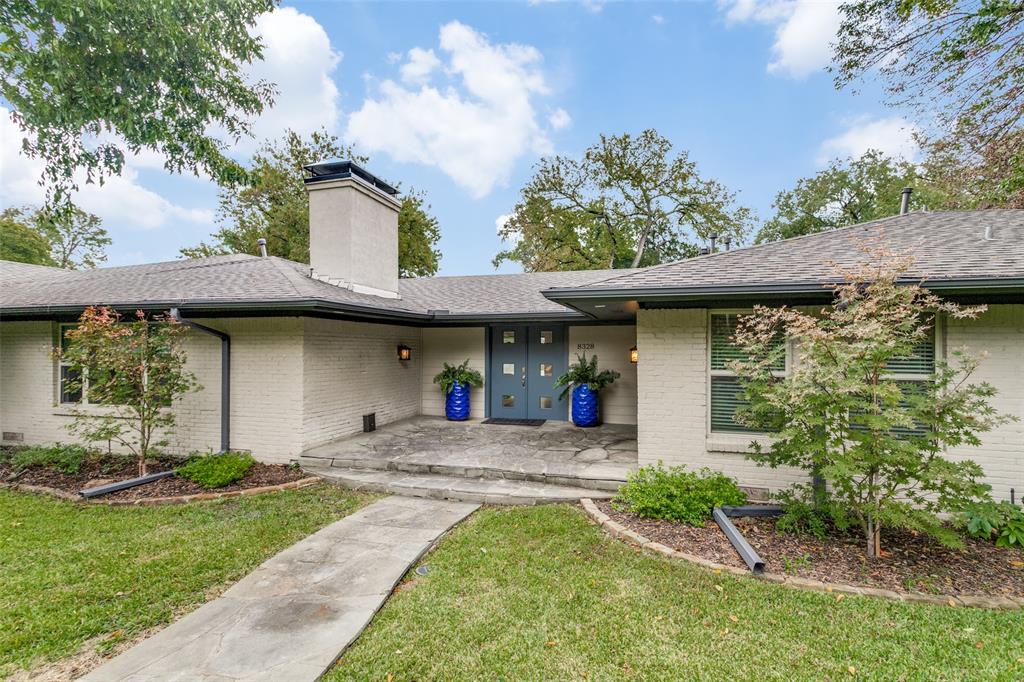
<point x="473" y="461"/>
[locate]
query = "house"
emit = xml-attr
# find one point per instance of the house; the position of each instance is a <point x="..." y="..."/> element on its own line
<point x="314" y="348"/>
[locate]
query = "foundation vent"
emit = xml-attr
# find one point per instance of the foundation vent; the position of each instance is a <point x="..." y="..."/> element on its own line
<point x="15" y="436"/>
<point x="369" y="422"/>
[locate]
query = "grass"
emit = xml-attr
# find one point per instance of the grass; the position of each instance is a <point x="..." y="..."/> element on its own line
<point x="540" y="594"/>
<point x="70" y="573"/>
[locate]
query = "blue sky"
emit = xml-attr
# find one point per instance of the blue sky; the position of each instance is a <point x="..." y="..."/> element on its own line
<point x="461" y="99"/>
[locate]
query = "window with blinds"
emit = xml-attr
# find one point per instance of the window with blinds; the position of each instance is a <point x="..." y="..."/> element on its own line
<point x="726" y="395"/>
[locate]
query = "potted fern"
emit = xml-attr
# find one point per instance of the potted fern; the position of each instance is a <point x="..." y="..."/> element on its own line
<point x="455" y="381"/>
<point x="585" y="382"/>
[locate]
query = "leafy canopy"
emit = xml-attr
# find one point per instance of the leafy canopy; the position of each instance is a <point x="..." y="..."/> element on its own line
<point x="959" y="63"/>
<point x="71" y="238"/>
<point x="133" y="370"/>
<point x="585" y="372"/>
<point x="628" y="202"/>
<point x="842" y="413"/>
<point x="273" y="204"/>
<point x="845" y="193"/>
<point x="90" y="82"/>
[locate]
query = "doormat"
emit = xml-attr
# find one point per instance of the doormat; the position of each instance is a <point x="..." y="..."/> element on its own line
<point x="514" y="422"/>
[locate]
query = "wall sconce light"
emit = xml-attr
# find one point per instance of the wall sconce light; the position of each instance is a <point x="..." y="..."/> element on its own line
<point x="634" y="355"/>
<point x="404" y="353"/>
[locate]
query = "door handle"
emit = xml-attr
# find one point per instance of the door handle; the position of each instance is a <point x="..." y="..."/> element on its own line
<point x="523" y="375"/>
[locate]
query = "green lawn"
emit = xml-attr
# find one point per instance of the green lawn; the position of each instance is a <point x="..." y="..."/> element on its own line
<point x="540" y="594"/>
<point x="70" y="572"/>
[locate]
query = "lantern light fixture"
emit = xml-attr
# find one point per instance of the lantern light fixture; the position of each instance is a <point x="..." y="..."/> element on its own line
<point x="404" y="353"/>
<point x="634" y="355"/>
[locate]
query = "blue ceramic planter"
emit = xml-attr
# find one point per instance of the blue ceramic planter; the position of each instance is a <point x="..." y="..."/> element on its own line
<point x="585" y="406"/>
<point x="456" y="403"/>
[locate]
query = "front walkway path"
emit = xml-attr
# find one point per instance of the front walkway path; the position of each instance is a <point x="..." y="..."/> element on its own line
<point x="290" y="619"/>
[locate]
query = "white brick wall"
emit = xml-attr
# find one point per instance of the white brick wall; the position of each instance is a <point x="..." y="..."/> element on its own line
<point x="999" y="332"/>
<point x="673" y="388"/>
<point x="265" y="402"/>
<point x="452" y="345"/>
<point x="351" y="369"/>
<point x="611" y="345"/>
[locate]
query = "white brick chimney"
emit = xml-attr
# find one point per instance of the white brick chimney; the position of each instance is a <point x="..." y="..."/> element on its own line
<point x="353" y="228"/>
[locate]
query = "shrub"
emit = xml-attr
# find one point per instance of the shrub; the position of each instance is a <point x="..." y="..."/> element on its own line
<point x="585" y="371"/>
<point x="806" y="511"/>
<point x="1002" y="522"/>
<point x="676" y="494"/>
<point x="67" y="459"/>
<point x="846" y="414"/>
<point x="217" y="471"/>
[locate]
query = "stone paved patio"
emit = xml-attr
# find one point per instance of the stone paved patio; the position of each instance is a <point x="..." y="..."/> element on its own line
<point x="555" y="452"/>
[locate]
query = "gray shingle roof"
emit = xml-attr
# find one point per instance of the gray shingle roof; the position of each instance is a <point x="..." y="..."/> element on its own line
<point x="954" y="245"/>
<point x="240" y="279"/>
<point x="961" y="245"/>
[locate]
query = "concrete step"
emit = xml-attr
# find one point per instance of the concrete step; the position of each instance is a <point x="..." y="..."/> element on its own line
<point x="440" y="487"/>
<point x="560" y="474"/>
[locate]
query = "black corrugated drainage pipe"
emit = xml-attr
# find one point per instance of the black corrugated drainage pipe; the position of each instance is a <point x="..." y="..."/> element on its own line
<point x="225" y="376"/>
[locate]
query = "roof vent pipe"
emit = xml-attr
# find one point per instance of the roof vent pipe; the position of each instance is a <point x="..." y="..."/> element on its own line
<point x="263" y="247"/>
<point x="905" y="200"/>
<point x="714" y="239"/>
<point x="727" y="241"/>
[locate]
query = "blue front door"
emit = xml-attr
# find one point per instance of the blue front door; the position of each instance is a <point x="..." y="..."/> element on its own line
<point x="525" y="360"/>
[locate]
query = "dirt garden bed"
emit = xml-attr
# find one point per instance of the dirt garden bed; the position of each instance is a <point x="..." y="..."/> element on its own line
<point x="910" y="563"/>
<point x="111" y="469"/>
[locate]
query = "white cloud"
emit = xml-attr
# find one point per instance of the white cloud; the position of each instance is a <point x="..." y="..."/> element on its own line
<point x="593" y="6"/>
<point x="475" y="125"/>
<point x="658" y="19"/>
<point x="420" y="67"/>
<point x="500" y="223"/>
<point x="121" y="199"/>
<point x="893" y="136"/>
<point x="804" y="31"/>
<point x="299" y="60"/>
<point x="560" y="119"/>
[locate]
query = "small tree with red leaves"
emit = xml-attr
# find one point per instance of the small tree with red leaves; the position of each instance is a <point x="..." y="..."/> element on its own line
<point x="131" y="371"/>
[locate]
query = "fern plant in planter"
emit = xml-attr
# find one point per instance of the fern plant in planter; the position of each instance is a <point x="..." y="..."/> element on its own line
<point x="585" y="382"/>
<point x="455" y="381"/>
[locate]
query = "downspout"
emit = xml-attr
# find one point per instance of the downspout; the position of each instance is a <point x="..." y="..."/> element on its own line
<point x="225" y="376"/>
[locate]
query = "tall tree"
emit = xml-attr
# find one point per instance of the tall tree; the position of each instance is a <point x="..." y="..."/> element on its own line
<point x="274" y="205"/>
<point x="990" y="178"/>
<point x="20" y="241"/>
<point x="89" y="81"/>
<point x="845" y="193"/>
<point x="960" y="63"/>
<point x="629" y="201"/>
<point x="77" y="240"/>
<point x="70" y="238"/>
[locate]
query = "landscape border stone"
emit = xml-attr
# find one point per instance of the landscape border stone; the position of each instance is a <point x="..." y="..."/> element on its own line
<point x="171" y="500"/>
<point x="617" y="530"/>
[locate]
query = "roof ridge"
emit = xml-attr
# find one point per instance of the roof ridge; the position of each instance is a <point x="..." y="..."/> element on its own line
<point x="749" y="247"/>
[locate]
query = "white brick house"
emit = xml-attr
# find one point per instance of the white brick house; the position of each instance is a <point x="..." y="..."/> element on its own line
<point x="314" y="348"/>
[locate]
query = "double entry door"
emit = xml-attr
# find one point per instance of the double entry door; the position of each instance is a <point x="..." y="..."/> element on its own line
<point x="525" y="361"/>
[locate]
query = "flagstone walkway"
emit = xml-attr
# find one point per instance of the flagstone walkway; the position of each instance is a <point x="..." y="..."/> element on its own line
<point x="290" y="619"/>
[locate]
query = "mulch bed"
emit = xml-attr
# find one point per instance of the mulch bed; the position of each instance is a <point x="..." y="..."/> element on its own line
<point x="110" y="470"/>
<point x="910" y="563"/>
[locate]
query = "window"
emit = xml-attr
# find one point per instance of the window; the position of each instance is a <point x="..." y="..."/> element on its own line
<point x="79" y="393"/>
<point x="726" y="392"/>
<point x="508" y="336"/>
<point x="912" y="372"/>
<point x="547" y="369"/>
<point x="546" y="402"/>
<point x="508" y="368"/>
<point x="547" y="337"/>
<point x="508" y="400"/>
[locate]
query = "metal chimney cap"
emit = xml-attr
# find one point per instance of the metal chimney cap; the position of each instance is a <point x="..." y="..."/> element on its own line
<point x="335" y="170"/>
<point x="262" y="243"/>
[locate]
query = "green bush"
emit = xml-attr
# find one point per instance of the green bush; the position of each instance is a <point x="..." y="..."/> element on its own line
<point x="217" y="471"/>
<point x="807" y="512"/>
<point x="1002" y="522"/>
<point x="67" y="459"/>
<point x="676" y="494"/>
